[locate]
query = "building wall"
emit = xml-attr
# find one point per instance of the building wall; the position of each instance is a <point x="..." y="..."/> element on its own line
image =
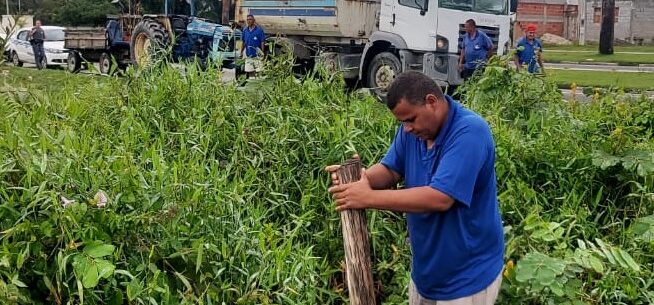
<point x="643" y="20"/>
<point x="635" y="21"/>
<point x="557" y="17"/>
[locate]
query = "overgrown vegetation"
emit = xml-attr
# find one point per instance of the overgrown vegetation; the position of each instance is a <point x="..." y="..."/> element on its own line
<point x="174" y="188"/>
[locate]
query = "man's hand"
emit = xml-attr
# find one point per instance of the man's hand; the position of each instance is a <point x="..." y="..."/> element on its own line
<point x="355" y="195"/>
<point x="460" y="66"/>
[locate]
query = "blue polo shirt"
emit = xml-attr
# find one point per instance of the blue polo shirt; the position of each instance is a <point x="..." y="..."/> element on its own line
<point x="252" y="39"/>
<point x="527" y="53"/>
<point x="459" y="252"/>
<point x="476" y="49"/>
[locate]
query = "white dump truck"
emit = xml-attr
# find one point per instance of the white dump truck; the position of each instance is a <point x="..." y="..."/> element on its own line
<point x="373" y="40"/>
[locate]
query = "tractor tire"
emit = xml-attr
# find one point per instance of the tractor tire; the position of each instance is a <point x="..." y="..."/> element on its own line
<point x="15" y="60"/>
<point x="73" y="64"/>
<point x="105" y="63"/>
<point x="382" y="70"/>
<point x="149" y="40"/>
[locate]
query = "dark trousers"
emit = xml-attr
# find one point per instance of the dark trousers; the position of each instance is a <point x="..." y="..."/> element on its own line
<point x="39" y="54"/>
<point x="467" y="73"/>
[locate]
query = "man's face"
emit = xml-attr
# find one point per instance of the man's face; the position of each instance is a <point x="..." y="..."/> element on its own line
<point x="469" y="28"/>
<point x="531" y="35"/>
<point x="419" y="120"/>
<point x="250" y="21"/>
<point x="38" y="23"/>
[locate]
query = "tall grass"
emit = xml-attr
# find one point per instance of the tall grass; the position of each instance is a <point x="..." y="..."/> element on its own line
<point x="216" y="193"/>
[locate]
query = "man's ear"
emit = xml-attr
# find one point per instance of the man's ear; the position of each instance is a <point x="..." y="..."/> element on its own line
<point x="431" y="100"/>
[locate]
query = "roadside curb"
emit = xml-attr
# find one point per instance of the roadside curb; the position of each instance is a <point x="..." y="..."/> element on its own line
<point x="581" y="89"/>
<point x="596" y="63"/>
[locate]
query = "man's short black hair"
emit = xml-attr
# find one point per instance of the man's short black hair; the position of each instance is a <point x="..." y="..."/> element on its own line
<point x="471" y="22"/>
<point x="412" y="87"/>
<point x="250" y="15"/>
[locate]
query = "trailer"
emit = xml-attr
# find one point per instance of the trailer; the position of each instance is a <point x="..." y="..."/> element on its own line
<point x="107" y="46"/>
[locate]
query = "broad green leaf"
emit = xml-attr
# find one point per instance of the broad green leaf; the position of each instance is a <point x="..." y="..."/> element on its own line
<point x="105" y="268"/>
<point x="80" y="265"/>
<point x="643" y="228"/>
<point x="628" y="260"/>
<point x="98" y="249"/>
<point x="134" y="289"/>
<point x="596" y="264"/>
<point x="90" y="277"/>
<point x="117" y="298"/>
<point x="539" y="268"/>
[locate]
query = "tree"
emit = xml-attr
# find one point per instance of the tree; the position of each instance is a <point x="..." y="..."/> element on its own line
<point x="606" y="31"/>
<point x="84" y="12"/>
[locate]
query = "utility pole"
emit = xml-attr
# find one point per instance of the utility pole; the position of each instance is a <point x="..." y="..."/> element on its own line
<point x="7" y="2"/>
<point x="608" y="23"/>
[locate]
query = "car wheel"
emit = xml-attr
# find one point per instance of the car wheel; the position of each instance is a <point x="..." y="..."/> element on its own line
<point x="15" y="60"/>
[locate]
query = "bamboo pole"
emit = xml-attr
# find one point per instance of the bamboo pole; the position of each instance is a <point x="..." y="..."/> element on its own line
<point x="355" y="242"/>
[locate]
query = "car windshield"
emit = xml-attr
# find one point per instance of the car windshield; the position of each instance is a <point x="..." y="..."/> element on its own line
<point x="497" y="7"/>
<point x="54" y="35"/>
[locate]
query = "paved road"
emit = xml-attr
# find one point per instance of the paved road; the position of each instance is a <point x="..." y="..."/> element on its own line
<point x="595" y="52"/>
<point x="589" y="67"/>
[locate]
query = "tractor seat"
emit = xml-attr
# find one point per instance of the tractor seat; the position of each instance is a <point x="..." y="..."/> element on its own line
<point x="179" y="26"/>
<point x="114" y="34"/>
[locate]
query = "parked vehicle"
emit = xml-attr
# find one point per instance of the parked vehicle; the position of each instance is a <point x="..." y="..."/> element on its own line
<point x="19" y="50"/>
<point x="372" y="41"/>
<point x="107" y="45"/>
<point x="189" y="38"/>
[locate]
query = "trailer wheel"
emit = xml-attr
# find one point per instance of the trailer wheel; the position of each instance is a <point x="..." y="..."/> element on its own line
<point x="105" y="63"/>
<point x="382" y="70"/>
<point x="73" y="64"/>
<point x="149" y="39"/>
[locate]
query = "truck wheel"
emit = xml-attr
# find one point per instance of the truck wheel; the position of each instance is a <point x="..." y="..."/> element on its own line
<point x="15" y="60"/>
<point x="382" y="70"/>
<point x="149" y="39"/>
<point x="105" y="63"/>
<point x="73" y="64"/>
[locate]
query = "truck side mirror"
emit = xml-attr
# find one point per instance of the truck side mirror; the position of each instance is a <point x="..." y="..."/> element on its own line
<point x="513" y="6"/>
<point x="424" y="6"/>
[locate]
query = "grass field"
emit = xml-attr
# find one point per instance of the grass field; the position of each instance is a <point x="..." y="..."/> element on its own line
<point x="623" y="55"/>
<point x="19" y="79"/>
<point x="624" y="80"/>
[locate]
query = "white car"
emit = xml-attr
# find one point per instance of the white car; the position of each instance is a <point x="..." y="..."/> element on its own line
<point x="19" y="49"/>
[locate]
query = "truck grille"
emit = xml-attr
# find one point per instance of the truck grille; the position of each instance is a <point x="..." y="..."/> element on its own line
<point x="492" y="32"/>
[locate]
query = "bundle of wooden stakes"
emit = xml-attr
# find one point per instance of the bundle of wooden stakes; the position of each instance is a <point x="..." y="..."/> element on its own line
<point x="355" y="241"/>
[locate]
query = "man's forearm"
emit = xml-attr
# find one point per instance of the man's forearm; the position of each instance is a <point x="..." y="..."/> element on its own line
<point x="381" y="177"/>
<point x="412" y="200"/>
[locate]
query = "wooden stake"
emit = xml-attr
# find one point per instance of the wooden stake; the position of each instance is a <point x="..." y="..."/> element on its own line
<point x="356" y="244"/>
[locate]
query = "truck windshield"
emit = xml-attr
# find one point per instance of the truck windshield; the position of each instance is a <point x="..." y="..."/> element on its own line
<point x="497" y="7"/>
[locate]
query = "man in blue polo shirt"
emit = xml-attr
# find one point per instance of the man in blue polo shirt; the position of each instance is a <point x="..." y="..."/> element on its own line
<point x="253" y="39"/>
<point x="529" y="50"/>
<point x="477" y="48"/>
<point x="445" y="155"/>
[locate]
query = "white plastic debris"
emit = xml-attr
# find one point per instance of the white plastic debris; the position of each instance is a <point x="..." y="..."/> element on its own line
<point x="100" y="199"/>
<point x="65" y="202"/>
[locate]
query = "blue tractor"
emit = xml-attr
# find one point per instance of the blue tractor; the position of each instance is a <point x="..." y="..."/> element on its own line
<point x="188" y="37"/>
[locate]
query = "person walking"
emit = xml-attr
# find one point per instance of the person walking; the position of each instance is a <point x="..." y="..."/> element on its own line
<point x="529" y="50"/>
<point x="253" y="46"/>
<point x="36" y="38"/>
<point x="444" y="154"/>
<point x="476" y="49"/>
